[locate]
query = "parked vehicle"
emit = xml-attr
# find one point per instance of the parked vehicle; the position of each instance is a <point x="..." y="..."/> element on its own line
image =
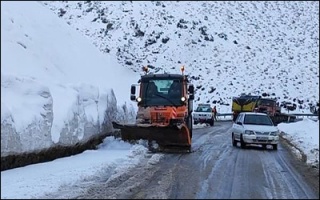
<point x="243" y="103"/>
<point x="270" y="106"/>
<point x="254" y="128"/>
<point x="203" y="114"/>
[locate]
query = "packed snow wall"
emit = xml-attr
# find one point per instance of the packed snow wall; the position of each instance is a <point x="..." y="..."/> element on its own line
<point x="35" y="118"/>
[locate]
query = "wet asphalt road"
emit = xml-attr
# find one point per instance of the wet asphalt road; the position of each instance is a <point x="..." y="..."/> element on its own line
<point x="214" y="170"/>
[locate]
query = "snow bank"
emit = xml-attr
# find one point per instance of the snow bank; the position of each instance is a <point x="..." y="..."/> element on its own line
<point x="56" y="87"/>
<point x="304" y="135"/>
<point x="27" y="119"/>
<point x="36" y="117"/>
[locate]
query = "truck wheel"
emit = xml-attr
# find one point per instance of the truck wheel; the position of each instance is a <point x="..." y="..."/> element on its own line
<point x="189" y="124"/>
<point x="211" y="122"/>
<point x="189" y="149"/>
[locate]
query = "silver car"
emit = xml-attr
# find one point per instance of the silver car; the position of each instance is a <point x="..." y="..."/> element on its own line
<point x="255" y="128"/>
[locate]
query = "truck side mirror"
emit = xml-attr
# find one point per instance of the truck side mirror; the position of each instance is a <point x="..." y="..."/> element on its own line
<point x="191" y="89"/>
<point x="191" y="92"/>
<point x="133" y="93"/>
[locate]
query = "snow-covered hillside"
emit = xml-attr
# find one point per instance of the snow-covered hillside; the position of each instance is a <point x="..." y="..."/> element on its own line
<point x="227" y="47"/>
<point x="56" y="87"/>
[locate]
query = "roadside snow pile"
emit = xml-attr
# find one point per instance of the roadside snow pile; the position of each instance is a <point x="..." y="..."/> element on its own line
<point x="110" y="161"/>
<point x="56" y="87"/>
<point x="305" y="136"/>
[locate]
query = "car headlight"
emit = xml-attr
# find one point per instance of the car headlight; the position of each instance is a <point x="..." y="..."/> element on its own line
<point x="139" y="99"/>
<point x="275" y="133"/>
<point x="248" y="132"/>
<point x="183" y="99"/>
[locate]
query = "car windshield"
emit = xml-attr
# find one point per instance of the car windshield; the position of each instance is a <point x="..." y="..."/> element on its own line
<point x="258" y="120"/>
<point x="203" y="109"/>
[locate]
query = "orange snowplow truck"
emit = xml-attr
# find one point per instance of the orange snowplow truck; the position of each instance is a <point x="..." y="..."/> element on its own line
<point x="165" y="103"/>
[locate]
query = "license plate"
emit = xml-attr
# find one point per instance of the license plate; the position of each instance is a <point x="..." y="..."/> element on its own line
<point x="262" y="138"/>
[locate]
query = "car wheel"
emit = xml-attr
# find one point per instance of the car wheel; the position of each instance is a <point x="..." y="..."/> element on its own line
<point x="275" y="146"/>
<point x="234" y="142"/>
<point x="211" y="122"/>
<point x="264" y="146"/>
<point x="242" y="143"/>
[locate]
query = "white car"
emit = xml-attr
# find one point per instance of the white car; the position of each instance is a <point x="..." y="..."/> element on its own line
<point x="203" y="114"/>
<point x="255" y="128"/>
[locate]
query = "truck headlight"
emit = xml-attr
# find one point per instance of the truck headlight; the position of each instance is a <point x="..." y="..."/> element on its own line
<point x="275" y="133"/>
<point x="248" y="132"/>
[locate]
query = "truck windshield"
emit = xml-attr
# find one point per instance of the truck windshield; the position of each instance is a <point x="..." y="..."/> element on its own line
<point x="266" y="102"/>
<point x="162" y="92"/>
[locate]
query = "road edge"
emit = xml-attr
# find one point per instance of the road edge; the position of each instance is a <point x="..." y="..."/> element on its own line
<point x="299" y="161"/>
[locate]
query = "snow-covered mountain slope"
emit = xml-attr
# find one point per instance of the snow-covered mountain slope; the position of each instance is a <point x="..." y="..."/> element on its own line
<point x="228" y="48"/>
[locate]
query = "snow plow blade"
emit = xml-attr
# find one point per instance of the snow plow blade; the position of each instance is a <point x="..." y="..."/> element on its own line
<point x="175" y="136"/>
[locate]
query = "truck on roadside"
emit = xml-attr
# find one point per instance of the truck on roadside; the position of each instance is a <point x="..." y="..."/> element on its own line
<point x="270" y="106"/>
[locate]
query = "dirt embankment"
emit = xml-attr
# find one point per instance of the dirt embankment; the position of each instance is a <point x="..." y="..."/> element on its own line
<point x="52" y="153"/>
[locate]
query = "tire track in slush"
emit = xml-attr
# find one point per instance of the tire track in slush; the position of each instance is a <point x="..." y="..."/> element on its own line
<point x="209" y="150"/>
<point x="297" y="187"/>
<point x="252" y="173"/>
<point x="215" y="183"/>
<point x="190" y="180"/>
<point x="213" y="158"/>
